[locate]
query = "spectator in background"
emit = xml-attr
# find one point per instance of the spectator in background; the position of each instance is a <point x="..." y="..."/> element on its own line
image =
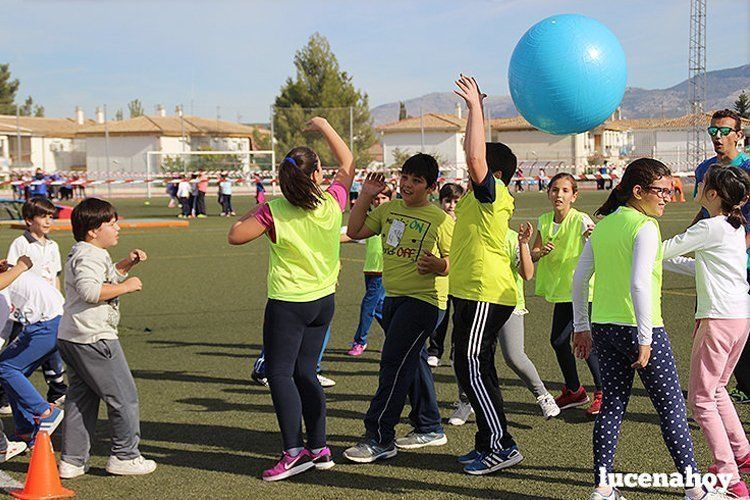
<point x="260" y="191"/>
<point x="354" y="192"/>
<point x="184" y="196"/>
<point x="39" y="184"/>
<point x="171" y="189"/>
<point x="225" y="196"/>
<point x="543" y="179"/>
<point x="519" y="180"/>
<point x="200" y="193"/>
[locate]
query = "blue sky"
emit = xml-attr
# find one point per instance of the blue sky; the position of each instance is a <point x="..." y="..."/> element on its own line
<point x="237" y="54"/>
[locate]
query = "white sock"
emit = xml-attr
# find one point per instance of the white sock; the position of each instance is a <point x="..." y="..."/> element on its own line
<point x="293" y="452"/>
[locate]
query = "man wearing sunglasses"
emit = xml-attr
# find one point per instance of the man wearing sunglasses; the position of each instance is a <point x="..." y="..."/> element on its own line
<point x="726" y="132"/>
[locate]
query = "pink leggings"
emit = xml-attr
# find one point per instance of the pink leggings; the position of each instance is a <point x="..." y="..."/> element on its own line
<point x="717" y="345"/>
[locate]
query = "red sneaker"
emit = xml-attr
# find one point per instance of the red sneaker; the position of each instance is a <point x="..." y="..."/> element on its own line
<point x="739" y="490"/>
<point x="743" y="464"/>
<point x="596" y="405"/>
<point x="570" y="399"/>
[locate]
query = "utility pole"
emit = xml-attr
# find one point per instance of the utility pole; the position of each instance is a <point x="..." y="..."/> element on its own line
<point x="696" y="152"/>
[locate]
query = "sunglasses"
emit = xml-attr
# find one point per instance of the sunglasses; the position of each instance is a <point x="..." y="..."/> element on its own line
<point x="724" y="131"/>
<point x="664" y="193"/>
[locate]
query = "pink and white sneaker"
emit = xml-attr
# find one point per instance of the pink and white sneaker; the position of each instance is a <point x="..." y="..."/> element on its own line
<point x="322" y="460"/>
<point x="289" y="466"/>
<point x="357" y="349"/>
<point x="739" y="490"/>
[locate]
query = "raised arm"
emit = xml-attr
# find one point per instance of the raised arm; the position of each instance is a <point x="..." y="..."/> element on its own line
<point x="340" y="150"/>
<point x="474" y="146"/>
<point x="356" y="228"/>
<point x="525" y="263"/>
<point x="246" y="229"/>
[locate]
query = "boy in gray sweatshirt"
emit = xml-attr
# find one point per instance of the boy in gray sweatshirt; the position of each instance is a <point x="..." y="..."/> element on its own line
<point x="88" y="343"/>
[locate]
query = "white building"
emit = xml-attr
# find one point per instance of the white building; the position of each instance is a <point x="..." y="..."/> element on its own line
<point x="130" y="141"/>
<point x="440" y="135"/>
<point x="666" y="138"/>
<point x="48" y="143"/>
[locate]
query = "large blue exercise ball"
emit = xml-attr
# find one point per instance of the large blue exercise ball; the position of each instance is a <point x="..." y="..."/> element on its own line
<point x="567" y="74"/>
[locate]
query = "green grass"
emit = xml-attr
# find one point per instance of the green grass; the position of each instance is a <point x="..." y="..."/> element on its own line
<point x="192" y="333"/>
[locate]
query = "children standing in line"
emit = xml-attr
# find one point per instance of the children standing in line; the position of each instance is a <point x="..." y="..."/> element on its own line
<point x="89" y="344"/>
<point x="511" y="335"/>
<point x="304" y="229"/>
<point x="416" y="237"/>
<point x="562" y="234"/>
<point x="37" y="306"/>
<point x="38" y="213"/>
<point x="372" y="302"/>
<point x="450" y="193"/>
<point x="625" y="253"/>
<point x="722" y="316"/>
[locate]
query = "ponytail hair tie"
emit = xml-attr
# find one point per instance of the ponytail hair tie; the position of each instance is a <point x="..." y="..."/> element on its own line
<point x="291" y="160"/>
<point x="737" y="207"/>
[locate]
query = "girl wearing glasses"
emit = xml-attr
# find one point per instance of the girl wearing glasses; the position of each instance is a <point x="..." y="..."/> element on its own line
<point x="626" y="328"/>
<point x="303" y="227"/>
<point x="722" y="316"/>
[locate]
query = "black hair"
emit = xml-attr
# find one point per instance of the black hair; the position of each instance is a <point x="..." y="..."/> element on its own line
<point x="728" y="113"/>
<point x="37" y="206"/>
<point x="89" y="215"/>
<point x="732" y="185"/>
<point x="450" y="190"/>
<point x="422" y="165"/>
<point x="566" y="176"/>
<point x="295" y="178"/>
<point x="501" y="159"/>
<point x="640" y="172"/>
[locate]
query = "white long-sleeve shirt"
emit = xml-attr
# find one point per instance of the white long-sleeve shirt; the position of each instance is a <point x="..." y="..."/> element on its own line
<point x="719" y="267"/>
<point x="645" y="248"/>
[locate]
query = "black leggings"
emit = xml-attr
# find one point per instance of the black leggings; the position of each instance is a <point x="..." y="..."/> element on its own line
<point x="562" y="329"/>
<point x="293" y="334"/>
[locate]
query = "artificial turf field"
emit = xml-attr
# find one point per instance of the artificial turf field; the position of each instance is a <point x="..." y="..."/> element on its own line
<point x="191" y="335"/>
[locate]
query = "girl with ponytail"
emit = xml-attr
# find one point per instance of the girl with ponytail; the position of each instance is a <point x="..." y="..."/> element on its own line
<point x="722" y="316"/>
<point x="626" y="327"/>
<point x="303" y="228"/>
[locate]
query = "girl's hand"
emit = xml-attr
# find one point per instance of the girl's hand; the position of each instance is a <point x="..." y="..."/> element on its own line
<point x="547" y="248"/>
<point x="644" y="354"/>
<point x="316" y="124"/>
<point x="525" y="231"/>
<point x="582" y="344"/>
<point x="430" y="264"/>
<point x="468" y="90"/>
<point x="589" y="230"/>
<point x="137" y="256"/>
<point x="374" y="184"/>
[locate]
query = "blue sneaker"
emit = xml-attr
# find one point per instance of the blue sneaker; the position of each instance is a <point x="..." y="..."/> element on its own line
<point x="488" y="463"/>
<point x="469" y="457"/>
<point x="49" y="423"/>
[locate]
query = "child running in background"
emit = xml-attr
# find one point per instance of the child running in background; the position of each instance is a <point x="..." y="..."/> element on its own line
<point x="511" y="335"/>
<point x="372" y="302"/>
<point x="89" y="344"/>
<point x="37" y="306"/>
<point x="416" y="238"/>
<point x="450" y="193"/>
<point x="562" y="234"/>
<point x="625" y="253"/>
<point x="304" y="229"/>
<point x="38" y="213"/>
<point x="722" y="316"/>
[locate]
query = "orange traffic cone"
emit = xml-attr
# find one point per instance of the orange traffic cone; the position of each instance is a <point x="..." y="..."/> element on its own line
<point x="42" y="480"/>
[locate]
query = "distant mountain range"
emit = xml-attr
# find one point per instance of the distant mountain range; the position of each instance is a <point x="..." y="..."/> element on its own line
<point x="722" y="88"/>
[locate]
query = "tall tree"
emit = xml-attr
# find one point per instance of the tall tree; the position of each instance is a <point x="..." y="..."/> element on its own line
<point x="8" y="89"/>
<point x="742" y="105"/>
<point x="28" y="108"/>
<point x="118" y="115"/>
<point x="318" y="88"/>
<point x="135" y="108"/>
<point x="402" y="111"/>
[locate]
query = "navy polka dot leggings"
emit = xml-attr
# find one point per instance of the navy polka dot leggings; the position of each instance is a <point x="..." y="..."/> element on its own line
<point x="617" y="348"/>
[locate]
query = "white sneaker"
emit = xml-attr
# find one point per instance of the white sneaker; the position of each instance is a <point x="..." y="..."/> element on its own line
<point x="615" y="495"/>
<point x="69" y="471"/>
<point x="6" y="410"/>
<point x="60" y="401"/>
<point x="135" y="467"/>
<point x="547" y="403"/>
<point x="325" y="381"/>
<point x="14" y="448"/>
<point x="462" y="413"/>
<point x="433" y="361"/>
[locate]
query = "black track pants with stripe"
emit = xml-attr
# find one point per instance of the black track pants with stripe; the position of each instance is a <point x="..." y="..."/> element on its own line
<point x="475" y="329"/>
